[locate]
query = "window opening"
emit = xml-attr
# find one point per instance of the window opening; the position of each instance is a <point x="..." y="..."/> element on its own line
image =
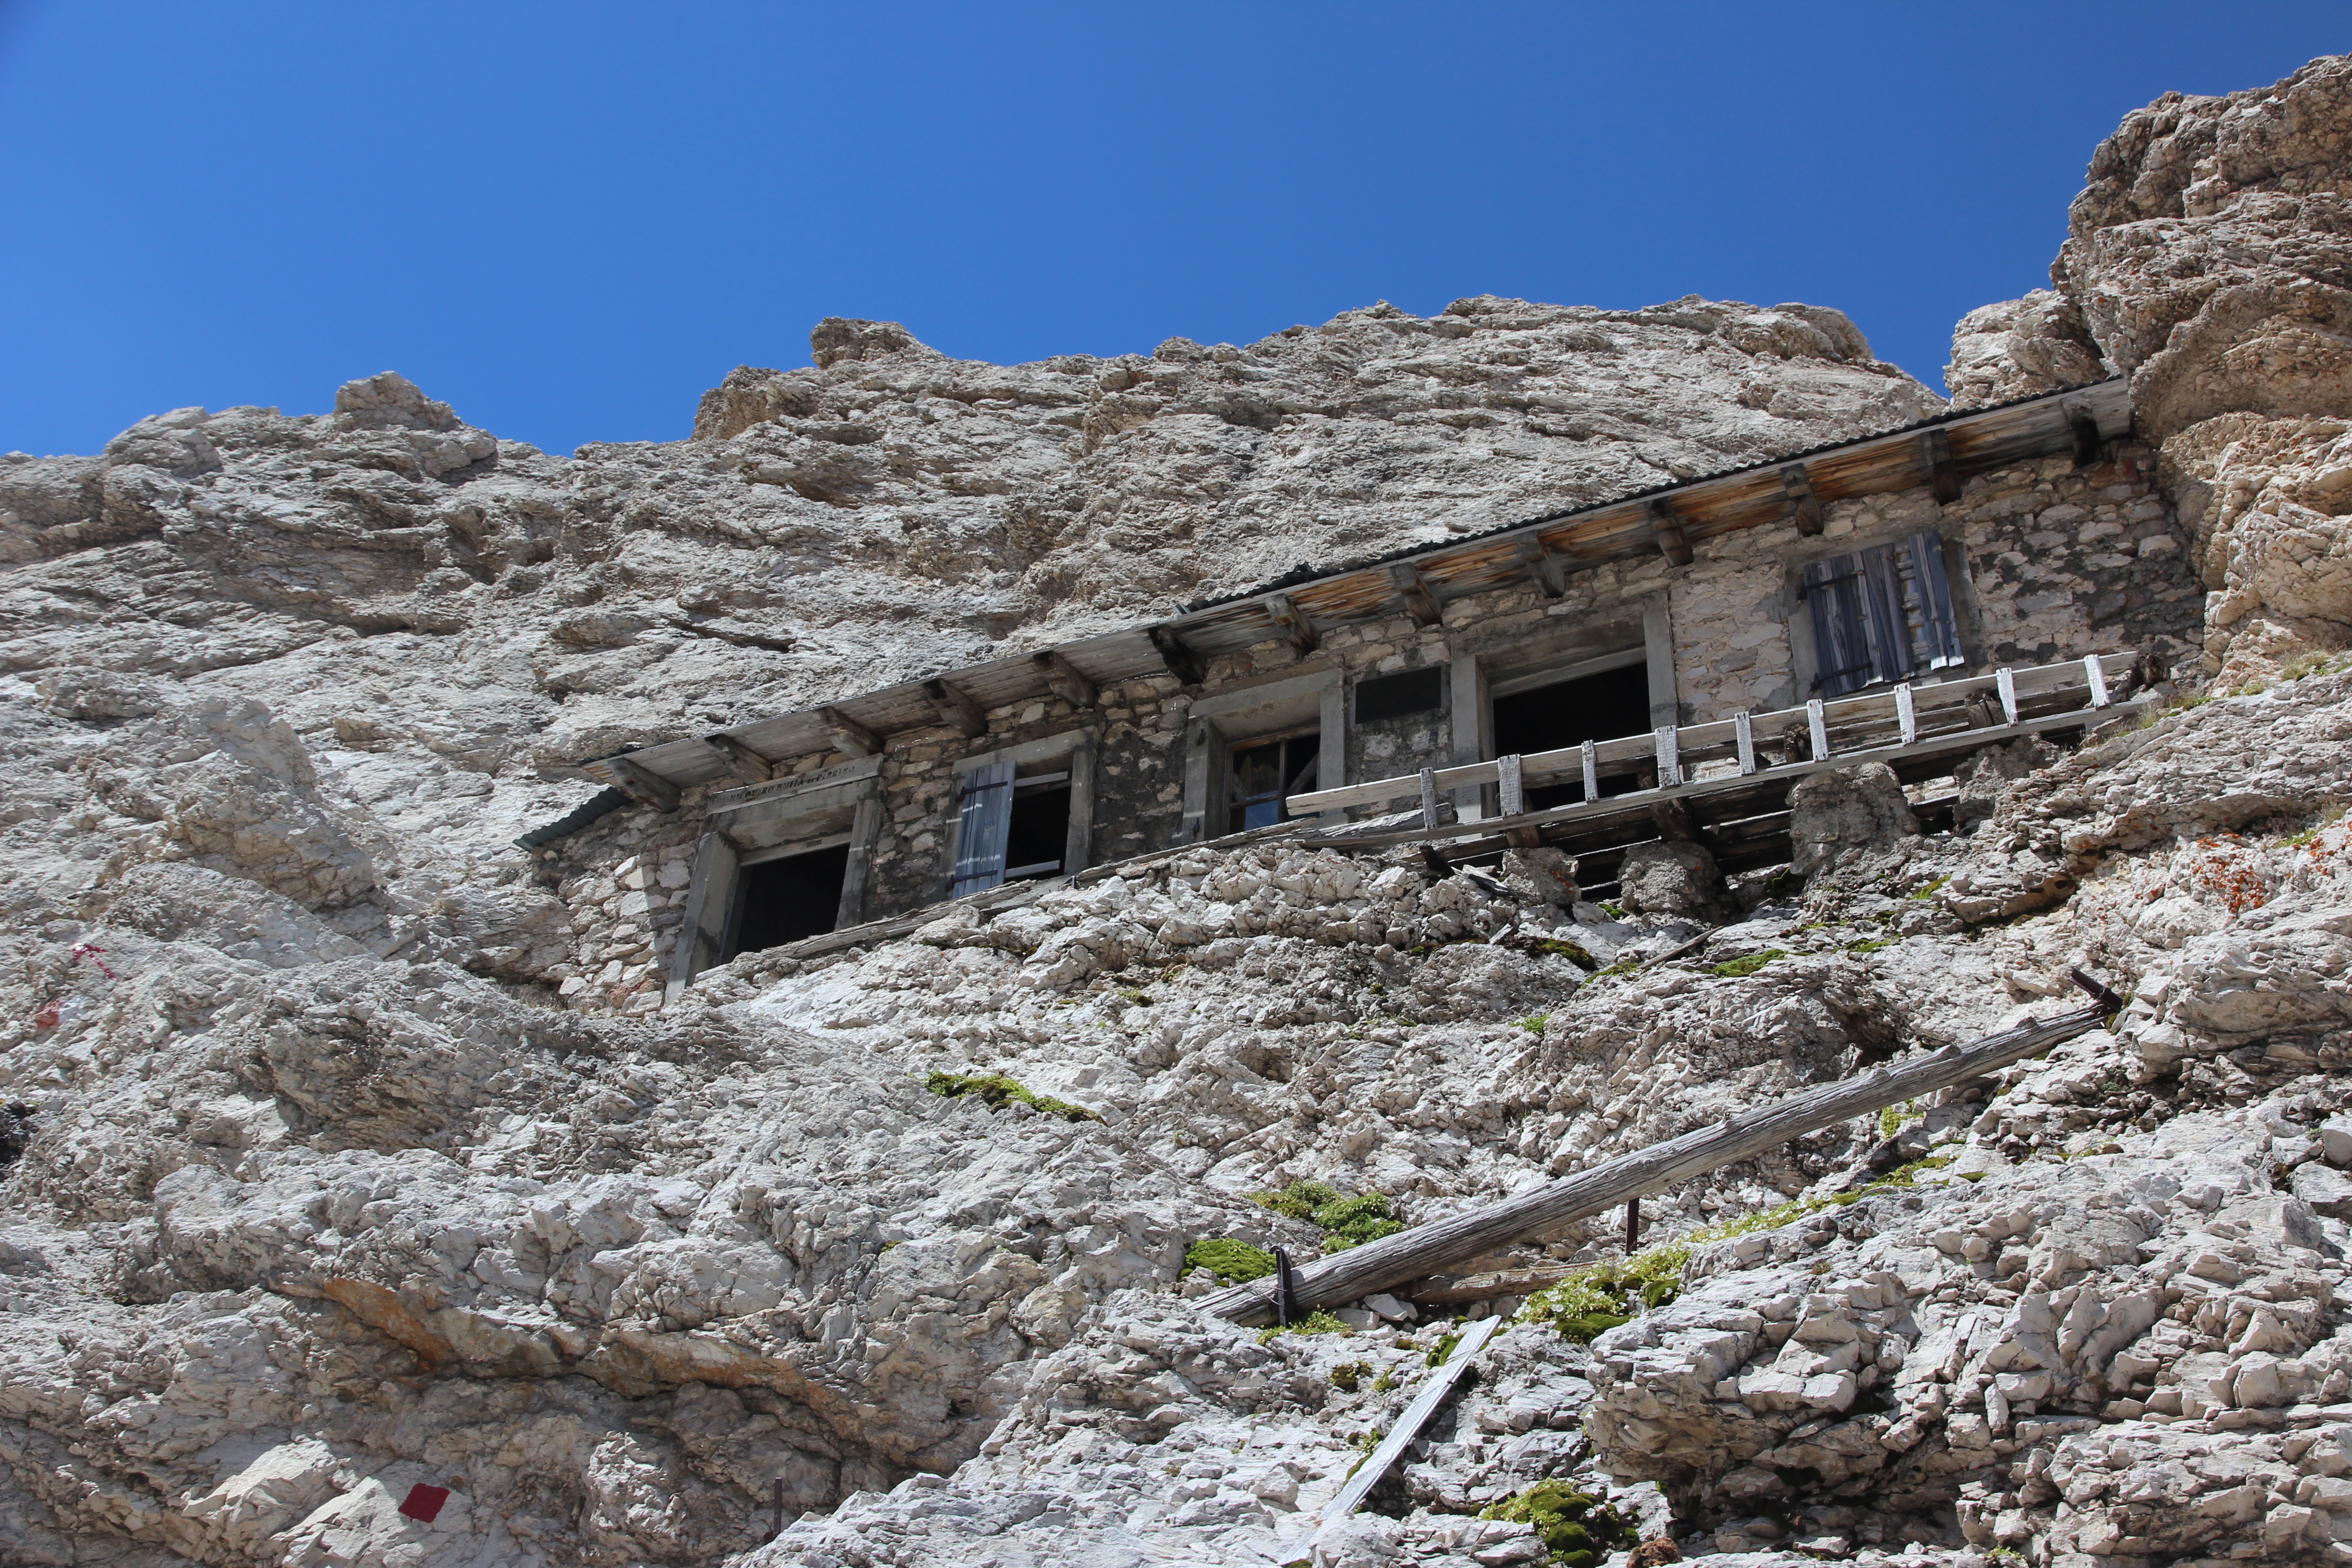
<point x="1605" y="707"/>
<point x="1259" y="773"/>
<point x="1881" y="614"/>
<point x="784" y="900"/>
<point x="1038" y="832"/>
<point x="1395" y="696"/>
<point x="1010" y="829"/>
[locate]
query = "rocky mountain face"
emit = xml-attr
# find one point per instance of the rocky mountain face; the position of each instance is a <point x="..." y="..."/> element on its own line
<point x="313" y="1198"/>
<point x="2209" y="259"/>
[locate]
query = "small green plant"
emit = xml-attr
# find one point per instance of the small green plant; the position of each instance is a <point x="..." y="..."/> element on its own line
<point x="1594" y="1299"/>
<point x="1748" y="965"/>
<point x="1870" y="944"/>
<point x="1139" y="998"/>
<point x="1314" y="1323"/>
<point x="1575" y="1527"/>
<point x="1445" y="1344"/>
<point x="1349" y="1376"/>
<point x="997" y="1090"/>
<point x="1384" y="1382"/>
<point x="1891" y="1120"/>
<point x="1233" y="1262"/>
<point x="1923" y="894"/>
<point x="1612" y="911"/>
<point x="1297" y="1201"/>
<point x="1622" y="966"/>
<point x="1572" y="951"/>
<point x="1346" y="1221"/>
<point x="1534" y="1023"/>
<point x="2329" y="818"/>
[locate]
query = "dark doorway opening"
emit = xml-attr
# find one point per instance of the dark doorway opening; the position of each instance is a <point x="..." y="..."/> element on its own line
<point x="783" y="900"/>
<point x="1037" y="834"/>
<point x="1604" y="707"/>
<point x="1261" y="773"/>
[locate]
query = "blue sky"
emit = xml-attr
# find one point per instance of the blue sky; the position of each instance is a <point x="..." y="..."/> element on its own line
<point x="570" y="220"/>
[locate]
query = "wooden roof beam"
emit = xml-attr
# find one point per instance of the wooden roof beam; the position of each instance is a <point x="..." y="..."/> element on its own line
<point x="1942" y="474"/>
<point x="738" y="759"/>
<point x="1420" y="601"/>
<point x="639" y="782"/>
<point x="1183" y="662"/>
<point x="1541" y="565"/>
<point x="847" y="734"/>
<point x="1064" y="679"/>
<point x="2083" y="430"/>
<point x="1804" y="506"/>
<point x="1295" y="626"/>
<point x="1666" y="528"/>
<point x="956" y="709"/>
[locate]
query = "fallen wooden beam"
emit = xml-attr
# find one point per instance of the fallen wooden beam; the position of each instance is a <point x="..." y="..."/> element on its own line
<point x="1428" y="1248"/>
<point x="1409" y="1422"/>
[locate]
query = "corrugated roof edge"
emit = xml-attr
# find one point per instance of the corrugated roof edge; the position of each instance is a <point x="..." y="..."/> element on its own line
<point x="1303" y="573"/>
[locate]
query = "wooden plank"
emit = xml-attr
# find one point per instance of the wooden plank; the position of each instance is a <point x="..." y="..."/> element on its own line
<point x="1744" y="729"/>
<point x="956" y="709"/>
<point x="1540" y="566"/>
<point x="1296" y="627"/>
<point x="1510" y="794"/>
<point x="1427" y="1248"/>
<point x="1907" y="717"/>
<point x="1670" y="766"/>
<point x="2006" y="683"/>
<point x="792" y="785"/>
<point x="2094" y="675"/>
<point x="738" y="759"/>
<point x="1804" y="506"/>
<point x="1589" y="755"/>
<point x="1666" y="528"/>
<point x="1183" y="661"/>
<point x="1428" y="797"/>
<point x="1409" y="1422"/>
<point x="1460" y="1290"/>
<point x="847" y="734"/>
<point x="1817" y="725"/>
<point x="1064" y="679"/>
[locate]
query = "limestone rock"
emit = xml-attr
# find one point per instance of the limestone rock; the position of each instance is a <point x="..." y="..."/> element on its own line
<point x="1842" y="816"/>
<point x="1670" y="878"/>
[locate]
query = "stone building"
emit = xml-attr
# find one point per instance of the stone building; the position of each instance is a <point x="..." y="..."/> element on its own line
<point x="2023" y="534"/>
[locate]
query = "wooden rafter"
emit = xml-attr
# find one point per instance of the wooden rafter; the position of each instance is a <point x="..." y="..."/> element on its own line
<point x="1541" y="565"/>
<point x="1419" y="599"/>
<point x="640" y="784"/>
<point x="1183" y="661"/>
<point x="2083" y="430"/>
<point x="847" y="734"/>
<point x="956" y="709"/>
<point x="1804" y="506"/>
<point x="1296" y="629"/>
<point x="1064" y="679"/>
<point x="738" y="759"/>
<point x="1666" y="528"/>
<point x="1943" y="475"/>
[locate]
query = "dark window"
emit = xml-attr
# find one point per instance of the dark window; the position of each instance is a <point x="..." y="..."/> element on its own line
<point x="1394" y="695"/>
<point x="785" y="900"/>
<point x="1261" y="773"/>
<point x="1605" y="707"/>
<point x="1881" y="615"/>
<point x="1010" y="829"/>
<point x="1038" y="833"/>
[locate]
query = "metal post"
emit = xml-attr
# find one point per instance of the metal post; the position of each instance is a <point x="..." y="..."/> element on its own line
<point x="1285" y="1295"/>
<point x="1632" y="1226"/>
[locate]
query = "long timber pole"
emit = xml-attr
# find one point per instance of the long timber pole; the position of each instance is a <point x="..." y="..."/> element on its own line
<point x="1429" y="1248"/>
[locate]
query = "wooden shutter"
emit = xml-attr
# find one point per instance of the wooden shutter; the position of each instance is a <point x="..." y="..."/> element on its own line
<point x="1940" y="629"/>
<point x="1840" y="641"/>
<point x="1889" y="629"/>
<point x="981" y="824"/>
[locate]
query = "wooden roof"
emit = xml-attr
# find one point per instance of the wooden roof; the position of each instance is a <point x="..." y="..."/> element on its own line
<point x="1700" y="509"/>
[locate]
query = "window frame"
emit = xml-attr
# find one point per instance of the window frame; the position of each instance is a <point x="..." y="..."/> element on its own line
<point x="1806" y="657"/>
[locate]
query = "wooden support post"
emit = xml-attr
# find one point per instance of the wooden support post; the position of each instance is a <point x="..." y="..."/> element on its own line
<point x="1510" y="793"/>
<point x="2007" y="683"/>
<point x="1430" y="1249"/>
<point x="738" y="759"/>
<point x="956" y="709"/>
<point x="1818" y="724"/>
<point x="639" y="782"/>
<point x="2082" y="432"/>
<point x="1286" y="1293"/>
<point x="1935" y="452"/>
<point x="1905" y="715"/>
<point x="1667" y="741"/>
<point x="1804" y="506"/>
<point x="1420" y="600"/>
<point x="1183" y="662"/>
<point x="847" y="734"/>
<point x="1743" y="732"/>
<point x="1429" y="797"/>
<point x="2097" y="674"/>
<point x="1541" y="565"/>
<point x="1296" y="627"/>
<point x="1064" y="679"/>
<point x="1667" y="529"/>
<point x="1592" y="750"/>
<point x="1632" y="1226"/>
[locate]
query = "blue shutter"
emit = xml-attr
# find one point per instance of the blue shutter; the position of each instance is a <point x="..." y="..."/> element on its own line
<point x="982" y="821"/>
<point x="1940" y="629"/>
<point x="1840" y="644"/>
<point x="1885" y="625"/>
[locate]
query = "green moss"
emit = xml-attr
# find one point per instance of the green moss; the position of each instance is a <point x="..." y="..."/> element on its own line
<point x="2334" y="815"/>
<point x="1592" y="1301"/>
<point x="1346" y="1221"/>
<point x="1349" y="1376"/>
<point x="1891" y="1119"/>
<point x="1612" y="911"/>
<point x="1870" y="945"/>
<point x="1445" y="1344"/>
<point x="1749" y="965"/>
<point x="998" y="1090"/>
<point x="1622" y="966"/>
<point x="1534" y="1023"/>
<point x="1314" y="1323"/>
<point x="1139" y="998"/>
<point x="1572" y="951"/>
<point x="1577" y="1527"/>
<point x="1923" y="894"/>
<point x="1297" y="1201"/>
<point x="1233" y="1262"/>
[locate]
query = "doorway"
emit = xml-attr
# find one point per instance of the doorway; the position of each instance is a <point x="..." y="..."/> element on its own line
<point x="786" y="899"/>
<point x="1606" y="706"/>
